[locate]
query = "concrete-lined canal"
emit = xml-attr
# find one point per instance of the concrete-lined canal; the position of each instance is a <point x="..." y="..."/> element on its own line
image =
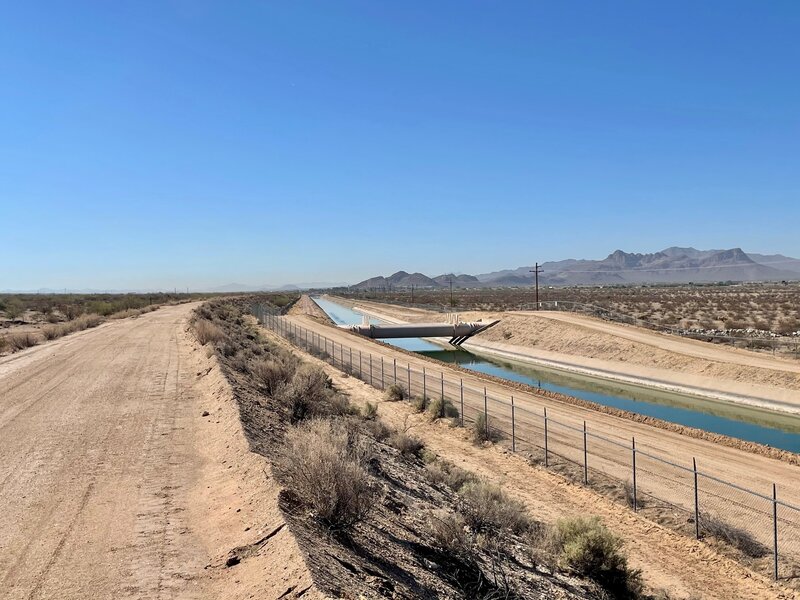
<point x="752" y="424"/>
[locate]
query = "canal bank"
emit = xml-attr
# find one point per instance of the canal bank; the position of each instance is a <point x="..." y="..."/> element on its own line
<point x="739" y="421"/>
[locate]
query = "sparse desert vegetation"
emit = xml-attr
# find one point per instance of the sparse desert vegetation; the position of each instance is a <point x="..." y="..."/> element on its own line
<point x="350" y="482"/>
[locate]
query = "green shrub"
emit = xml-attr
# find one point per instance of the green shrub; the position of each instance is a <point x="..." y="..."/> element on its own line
<point x="395" y="392"/>
<point x="420" y="403"/>
<point x="481" y="433"/>
<point x="585" y="547"/>
<point x="442" y="408"/>
<point x="369" y="411"/>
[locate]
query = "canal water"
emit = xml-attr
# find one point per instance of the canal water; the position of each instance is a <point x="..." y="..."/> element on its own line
<point x="752" y="424"/>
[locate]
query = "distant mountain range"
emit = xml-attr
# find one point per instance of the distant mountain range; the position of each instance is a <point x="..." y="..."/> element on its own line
<point x="672" y="265"/>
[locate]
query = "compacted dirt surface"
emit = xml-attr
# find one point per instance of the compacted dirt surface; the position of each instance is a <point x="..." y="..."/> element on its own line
<point x="124" y="473"/>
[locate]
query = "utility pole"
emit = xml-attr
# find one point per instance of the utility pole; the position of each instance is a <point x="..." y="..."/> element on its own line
<point x="451" y="291"/>
<point x="536" y="270"/>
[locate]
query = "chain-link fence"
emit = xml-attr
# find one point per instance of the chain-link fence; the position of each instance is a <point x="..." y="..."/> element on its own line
<point x="762" y="527"/>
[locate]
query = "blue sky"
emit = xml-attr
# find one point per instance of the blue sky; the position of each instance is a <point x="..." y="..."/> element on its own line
<point x="191" y="143"/>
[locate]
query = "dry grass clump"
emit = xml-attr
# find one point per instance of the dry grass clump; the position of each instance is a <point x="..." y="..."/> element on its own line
<point x="585" y="547"/>
<point x="408" y="445"/>
<point x="20" y="341"/>
<point x="325" y="465"/>
<point x="445" y="472"/>
<point x="205" y="331"/>
<point x="450" y="533"/>
<point x="442" y="408"/>
<point x="489" y="508"/>
<point x="271" y="373"/>
<point x="395" y="393"/>
<point x="52" y="332"/>
<point x="3" y="343"/>
<point x="734" y="536"/>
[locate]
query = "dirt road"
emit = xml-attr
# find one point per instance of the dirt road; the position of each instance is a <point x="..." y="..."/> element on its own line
<point x="113" y="484"/>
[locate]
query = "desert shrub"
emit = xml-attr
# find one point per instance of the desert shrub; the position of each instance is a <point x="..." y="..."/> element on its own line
<point x="14" y="309"/>
<point x="408" y="445"/>
<point x="271" y="373"/>
<point x="489" y="508"/>
<point x="3" y="343"/>
<point x="449" y="533"/>
<point x="481" y="433"/>
<point x="420" y="403"/>
<point x="310" y="393"/>
<point x="376" y="429"/>
<point x="585" y="547"/>
<point x="325" y="466"/>
<point x="442" y="408"/>
<point x="395" y="392"/>
<point x="732" y="535"/>
<point x="52" y="332"/>
<point x="205" y="331"/>
<point x="445" y="472"/>
<point x="370" y="410"/>
<point x="627" y="490"/>
<point x="20" y="341"/>
<point x="87" y="322"/>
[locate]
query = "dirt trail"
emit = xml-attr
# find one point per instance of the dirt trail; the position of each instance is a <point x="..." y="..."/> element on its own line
<point x="113" y="484"/>
<point x="683" y="566"/>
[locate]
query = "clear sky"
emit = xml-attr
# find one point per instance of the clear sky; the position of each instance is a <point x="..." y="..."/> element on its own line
<point x="194" y="143"/>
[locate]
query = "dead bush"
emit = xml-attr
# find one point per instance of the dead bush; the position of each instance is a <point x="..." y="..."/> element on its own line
<point x="310" y="393"/>
<point x="20" y="341"/>
<point x="395" y="393"/>
<point x="376" y="429"/>
<point x="585" y="547"/>
<point x="324" y="464"/>
<point x="442" y="408"/>
<point x="205" y="331"/>
<point x="3" y="343"/>
<point x="489" y="508"/>
<point x="734" y="536"/>
<point x="408" y="445"/>
<point x="271" y="373"/>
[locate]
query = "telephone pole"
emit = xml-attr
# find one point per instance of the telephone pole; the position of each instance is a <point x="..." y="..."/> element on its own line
<point x="451" y="291"/>
<point x="536" y="270"/>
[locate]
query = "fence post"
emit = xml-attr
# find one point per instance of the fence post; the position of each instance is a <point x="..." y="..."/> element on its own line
<point x="370" y="369"/>
<point x="775" y="527"/>
<point x="696" y="501"/>
<point x="382" y="384"/>
<point x="461" y="387"/>
<point x="351" y="360"/>
<point x="424" y="386"/>
<point x="408" y="367"/>
<point x="360" y="367"/>
<point x="633" y="450"/>
<point x="546" y="453"/>
<point x="585" y="457"/>
<point x="513" y="427"/>
<point x="486" y="411"/>
<point x="442" y="374"/>
<point x="394" y="368"/>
